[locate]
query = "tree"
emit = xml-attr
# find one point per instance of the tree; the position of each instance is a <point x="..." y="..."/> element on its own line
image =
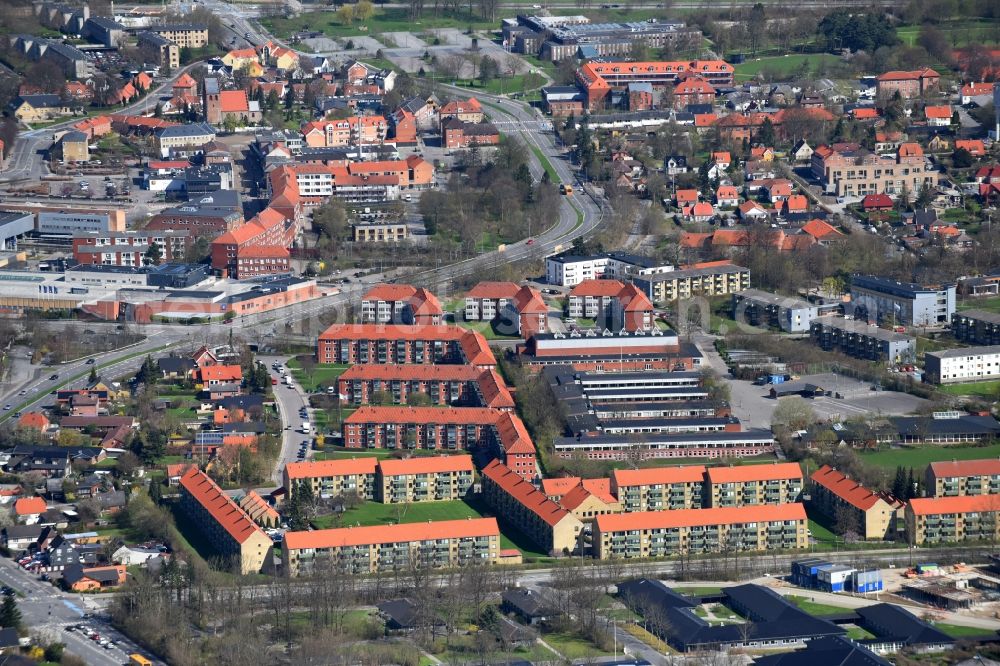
<point x="793" y="413"/>
<point x="153" y="255"/>
<point x="925" y="195"/>
<point x="345" y="15"/>
<point x="857" y="31"/>
<point x="92" y="377"/>
<point x="962" y="159"/>
<point x="156" y="491"/>
<point x="847" y="523"/>
<point x="899" y="483"/>
<point x="10" y="614"/>
<point x="364" y="10"/>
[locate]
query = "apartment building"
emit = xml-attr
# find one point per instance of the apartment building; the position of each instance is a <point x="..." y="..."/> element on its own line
<point x="931" y="520"/>
<point x="185" y="35"/>
<point x="977" y="327"/>
<point x="753" y="485"/>
<point x="403" y="344"/>
<point x="967" y="364"/>
<point x="514" y="310"/>
<point x="210" y="215"/>
<point x="598" y="79"/>
<point x="554" y="529"/>
<point x="592" y="350"/>
<point x="963" y="477"/>
<point x="363" y="550"/>
<point x="444" y="384"/>
<point x="431" y="428"/>
<point x="762" y="308"/>
<point x="851" y="171"/>
<point x="568" y="270"/>
<point x="192" y="136"/>
<point x="380" y="232"/>
<point x="894" y="303"/>
<point x="613" y="305"/>
<point x="659" y="488"/>
<point x="425" y="479"/>
<point x="131" y="248"/>
<point x="168" y="54"/>
<point x="665" y="445"/>
<point x="875" y="513"/>
<point x="862" y="340"/>
<point x="223" y="523"/>
<point x="351" y="131"/>
<point x="259" y="247"/>
<point x="400" y="304"/>
<point x="692" y="531"/>
<point x="333" y="478"/>
<point x="713" y="278"/>
<point x="909" y="84"/>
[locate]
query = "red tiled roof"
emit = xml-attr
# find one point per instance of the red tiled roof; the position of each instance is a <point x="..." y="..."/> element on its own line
<point x="412" y="372"/>
<point x="185" y="81"/>
<point x="865" y="113"/>
<point x="796" y="202"/>
<point x="646" y="520"/>
<point x="938" y="112"/>
<point x="178" y="469"/>
<point x="264" y="252"/>
<point x="256" y="507"/>
<point x="425" y="465"/>
<point x="494" y="390"/>
<point x="35" y="420"/>
<point x="362" y="536"/>
<point x="876" y="201"/>
<point x="493" y="290"/>
<point x="559" y="486"/>
<point x="910" y="149"/>
<point x="658" y="475"/>
<point x="223" y="510"/>
<point x="234" y="101"/>
<point x="224" y="373"/>
<point x="580" y="493"/>
<point x="820" y="230"/>
<point x="740" y="473"/>
<point x="470" y="105"/>
<point x="846" y="489"/>
<point x="686" y="196"/>
<point x="30" y="506"/>
<point x="597" y="288"/>
<point x="523" y="492"/>
<point x="907" y="76"/>
<point x="982" y="467"/>
<point x="929" y="506"/>
<point x="514" y="437"/>
<point x="529" y="301"/>
<point x="440" y="415"/>
<point x="327" y="468"/>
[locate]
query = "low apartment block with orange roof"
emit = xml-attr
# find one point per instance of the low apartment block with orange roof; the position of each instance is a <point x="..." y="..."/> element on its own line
<point x="361" y="550"/>
<point x="333" y="478"/>
<point x="424" y="479"/>
<point x="403" y="344"/>
<point x="444" y="384"/>
<point x="876" y="512"/>
<point x="932" y="520"/>
<point x="400" y="304"/>
<point x="750" y="485"/>
<point x="589" y="499"/>
<point x="963" y="477"/>
<point x="659" y="488"/>
<point x="515" y="310"/>
<point x="693" y="531"/>
<point x="554" y="529"/>
<point x="613" y="304"/>
<point x="225" y="525"/>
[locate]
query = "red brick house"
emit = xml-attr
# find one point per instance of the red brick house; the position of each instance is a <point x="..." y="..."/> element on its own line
<point x="456" y="134"/>
<point x="909" y="84"/>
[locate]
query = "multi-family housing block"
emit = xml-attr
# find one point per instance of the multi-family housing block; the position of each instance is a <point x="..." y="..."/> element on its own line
<point x="895" y="303"/>
<point x="400" y="304"/>
<point x="568" y="269"/>
<point x="762" y="308"/>
<point x="932" y="520"/>
<point x="514" y="309"/>
<point x="965" y="364"/>
<point x="609" y="351"/>
<point x="598" y="79"/>
<point x="402" y="344"/>
<point x="333" y="478"/>
<point x="520" y="503"/>
<point x="861" y="340"/>
<point x="977" y="327"/>
<point x="875" y="513"/>
<point x="361" y="550"/>
<point x="963" y="477"/>
<point x="712" y="278"/>
<point x="682" y="531"/>
<point x="454" y="385"/>
<point x="185" y="35"/>
<point x="659" y="488"/>
<point x="131" y="248"/>
<point x="751" y="485"/>
<point x="908" y="84"/>
<point x="847" y="170"/>
<point x="612" y="304"/>
<point x="424" y="479"/>
<point x="223" y="523"/>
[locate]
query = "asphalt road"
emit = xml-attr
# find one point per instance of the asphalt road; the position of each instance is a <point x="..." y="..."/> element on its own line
<point x="47" y="611"/>
<point x="290" y="401"/>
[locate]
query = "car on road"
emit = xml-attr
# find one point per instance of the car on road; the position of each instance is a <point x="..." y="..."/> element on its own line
<point x="7" y="591"/>
<point x="22" y="392"/>
<point x="54" y="377"/>
<point x="7" y="407"/>
<point x="531" y="241"/>
<point x="91" y="361"/>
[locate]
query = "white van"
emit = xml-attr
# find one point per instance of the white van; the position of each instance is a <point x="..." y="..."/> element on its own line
<point x="306" y="427"/>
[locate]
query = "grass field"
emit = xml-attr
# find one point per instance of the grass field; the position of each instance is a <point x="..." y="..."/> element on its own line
<point x="376" y="513"/>
<point x="486" y="328"/>
<point x="322" y="376"/>
<point x="918" y="458"/>
<point x="698" y="591"/>
<point x="961" y="631"/>
<point x="384" y="20"/>
<point x="984" y="389"/>
<point x="814" y="608"/>
<point x="784" y="65"/>
<point x="821" y="533"/>
<point x="990" y="304"/>
<point x="519" y="83"/>
<point x="858" y="634"/>
<point x="958" y="33"/>
<point x="573" y="647"/>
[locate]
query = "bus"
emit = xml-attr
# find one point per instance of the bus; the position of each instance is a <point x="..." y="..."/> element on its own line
<point x="566" y="189"/>
<point x="138" y="660"/>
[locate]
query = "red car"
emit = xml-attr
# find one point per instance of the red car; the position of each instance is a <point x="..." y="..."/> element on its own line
<point x="530" y="241"/>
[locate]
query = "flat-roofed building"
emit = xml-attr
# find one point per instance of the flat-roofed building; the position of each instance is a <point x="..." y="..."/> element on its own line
<point x="714" y="278"/>
<point x="752" y="442"/>
<point x="965" y="364"/>
<point x="977" y="327"/>
<point x="894" y="303"/>
<point x="68" y="220"/>
<point x="185" y="35"/>
<point x="862" y="340"/>
<point x="659" y="488"/>
<point x="424" y="479"/>
<point x="874" y="513"/>
<point x="932" y="520"/>
<point x="750" y="485"/>
<point x="380" y="232"/>
<point x="223" y="523"/>
<point x="554" y="529"/>
<point x="362" y="550"/>
<point x="666" y="533"/>
<point x="963" y="477"/>
<point x="333" y="478"/>
<point x="762" y="308"/>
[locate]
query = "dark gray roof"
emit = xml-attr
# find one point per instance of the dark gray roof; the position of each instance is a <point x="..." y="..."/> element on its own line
<point x="42" y="101"/>
<point x="191" y="129"/>
<point x="400" y="613"/>
<point x="966" y="424"/>
<point x="530" y="603"/>
<point x="894" y="287"/>
<point x="23" y="531"/>
<point x="175" y="364"/>
<point x="900" y="625"/>
<point x="826" y="651"/>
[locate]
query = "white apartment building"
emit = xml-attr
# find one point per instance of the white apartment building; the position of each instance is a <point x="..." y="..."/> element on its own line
<point x="569" y="270"/>
<point x="967" y="364"/>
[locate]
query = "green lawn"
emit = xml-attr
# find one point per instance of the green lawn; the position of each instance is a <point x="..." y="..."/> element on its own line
<point x="962" y="631"/>
<point x="384" y="20"/>
<point x="486" y="328"/>
<point x="983" y="389"/>
<point x="698" y="591"/>
<point x="958" y="33"/>
<point x="784" y="65"/>
<point x="991" y="304"/>
<point x="814" y="608"/>
<point x="920" y="457"/>
<point x="858" y="634"/>
<point x="520" y="83"/>
<point x="323" y="375"/>
<point x="821" y="533"/>
<point x="573" y="647"/>
<point x="376" y="513"/>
